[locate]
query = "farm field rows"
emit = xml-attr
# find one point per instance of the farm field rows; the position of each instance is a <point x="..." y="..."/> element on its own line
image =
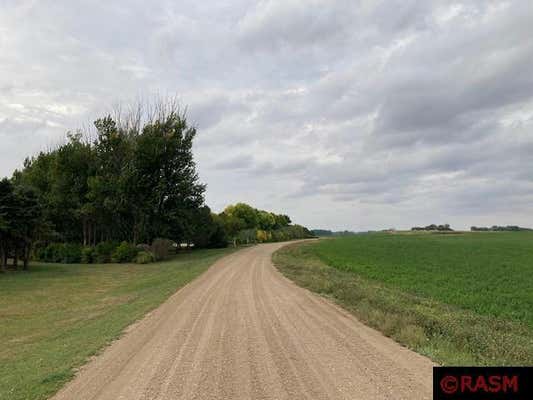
<point x="458" y="298"/>
<point x="56" y="316"/>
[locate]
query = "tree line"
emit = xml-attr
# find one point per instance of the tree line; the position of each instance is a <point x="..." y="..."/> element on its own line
<point x="433" y="227"/>
<point x="134" y="182"/>
<point x="245" y="224"/>
<point x="496" y="228"/>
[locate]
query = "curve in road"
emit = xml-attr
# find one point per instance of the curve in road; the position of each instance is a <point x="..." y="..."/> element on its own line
<point x="243" y="331"/>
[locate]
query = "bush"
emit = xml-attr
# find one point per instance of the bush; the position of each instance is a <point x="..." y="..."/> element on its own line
<point x="38" y="252"/>
<point x="70" y="253"/>
<point x="125" y="252"/>
<point x="144" y="257"/>
<point x="161" y="248"/>
<point x="88" y="255"/>
<point x="219" y="237"/>
<point x="261" y="236"/>
<point x="104" y="250"/>
<point x="144" y="247"/>
<point x="50" y="253"/>
<point x="41" y="253"/>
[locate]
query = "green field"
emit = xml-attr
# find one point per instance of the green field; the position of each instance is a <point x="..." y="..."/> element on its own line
<point x="461" y="298"/>
<point x="55" y="316"/>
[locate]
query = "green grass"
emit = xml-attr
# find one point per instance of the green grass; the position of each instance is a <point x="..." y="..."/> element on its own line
<point x="54" y="317"/>
<point x="460" y="299"/>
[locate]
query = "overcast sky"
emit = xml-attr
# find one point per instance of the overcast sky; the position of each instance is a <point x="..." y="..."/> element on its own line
<point x="343" y="114"/>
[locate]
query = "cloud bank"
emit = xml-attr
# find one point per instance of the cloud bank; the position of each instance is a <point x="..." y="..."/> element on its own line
<point x="344" y="114"/>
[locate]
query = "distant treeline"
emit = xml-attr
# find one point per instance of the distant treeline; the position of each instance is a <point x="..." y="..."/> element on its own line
<point x="326" y="232"/>
<point x="495" y="228"/>
<point x="433" y="227"/>
<point x="136" y="181"/>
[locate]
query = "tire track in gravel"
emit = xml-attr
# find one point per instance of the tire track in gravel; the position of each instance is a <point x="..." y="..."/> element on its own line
<point x="243" y="331"/>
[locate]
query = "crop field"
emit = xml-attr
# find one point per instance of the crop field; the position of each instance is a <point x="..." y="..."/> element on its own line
<point x="459" y="298"/>
<point x="489" y="273"/>
<point x="55" y="316"/>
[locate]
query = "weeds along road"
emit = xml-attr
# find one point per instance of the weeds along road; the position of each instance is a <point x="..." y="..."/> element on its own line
<point x="243" y="331"/>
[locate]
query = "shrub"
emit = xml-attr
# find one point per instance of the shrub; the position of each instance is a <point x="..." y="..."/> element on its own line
<point x="144" y="247"/>
<point x="51" y="253"/>
<point x="125" y="252"/>
<point x="144" y="257"/>
<point x="161" y="248"/>
<point x="104" y="250"/>
<point x="70" y="253"/>
<point x="40" y="253"/>
<point x="261" y="236"/>
<point x="88" y="255"/>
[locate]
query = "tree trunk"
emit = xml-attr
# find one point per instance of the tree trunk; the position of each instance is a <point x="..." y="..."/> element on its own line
<point x="135" y="232"/>
<point x="84" y="227"/>
<point x="26" y="256"/>
<point x="3" y="259"/>
<point x="16" y="257"/>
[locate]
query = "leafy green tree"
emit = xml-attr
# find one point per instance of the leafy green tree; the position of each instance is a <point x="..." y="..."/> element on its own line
<point x="266" y="220"/>
<point x="245" y="224"/>
<point x="59" y="179"/>
<point x="164" y="180"/>
<point x="282" y="221"/>
<point x="207" y="229"/>
<point x="20" y="221"/>
<point x="247" y="214"/>
<point x="7" y="205"/>
<point x="27" y="223"/>
<point x="232" y="225"/>
<point x="113" y="152"/>
<point x="135" y="182"/>
<point x="219" y="236"/>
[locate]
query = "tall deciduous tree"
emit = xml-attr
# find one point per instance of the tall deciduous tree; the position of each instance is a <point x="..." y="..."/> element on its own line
<point x="136" y="181"/>
<point x="20" y="222"/>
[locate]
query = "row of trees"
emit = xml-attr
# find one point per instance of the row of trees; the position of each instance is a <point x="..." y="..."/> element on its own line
<point x="244" y="224"/>
<point x="133" y="182"/>
<point x="433" y="227"/>
<point x="496" y="228"/>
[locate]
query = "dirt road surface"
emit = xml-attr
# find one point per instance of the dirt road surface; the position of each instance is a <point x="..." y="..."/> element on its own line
<point x="243" y="331"/>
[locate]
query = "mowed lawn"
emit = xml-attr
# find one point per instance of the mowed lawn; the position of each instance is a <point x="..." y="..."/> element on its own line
<point x="458" y="298"/>
<point x="55" y="316"/>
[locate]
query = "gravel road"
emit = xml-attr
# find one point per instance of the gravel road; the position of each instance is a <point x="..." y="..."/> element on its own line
<point x="243" y="331"/>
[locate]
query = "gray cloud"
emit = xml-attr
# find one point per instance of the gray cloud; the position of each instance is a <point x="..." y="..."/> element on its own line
<point x="344" y="114"/>
<point x="234" y="163"/>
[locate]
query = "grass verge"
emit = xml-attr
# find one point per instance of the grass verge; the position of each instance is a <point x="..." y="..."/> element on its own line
<point x="56" y="316"/>
<point x="448" y="334"/>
